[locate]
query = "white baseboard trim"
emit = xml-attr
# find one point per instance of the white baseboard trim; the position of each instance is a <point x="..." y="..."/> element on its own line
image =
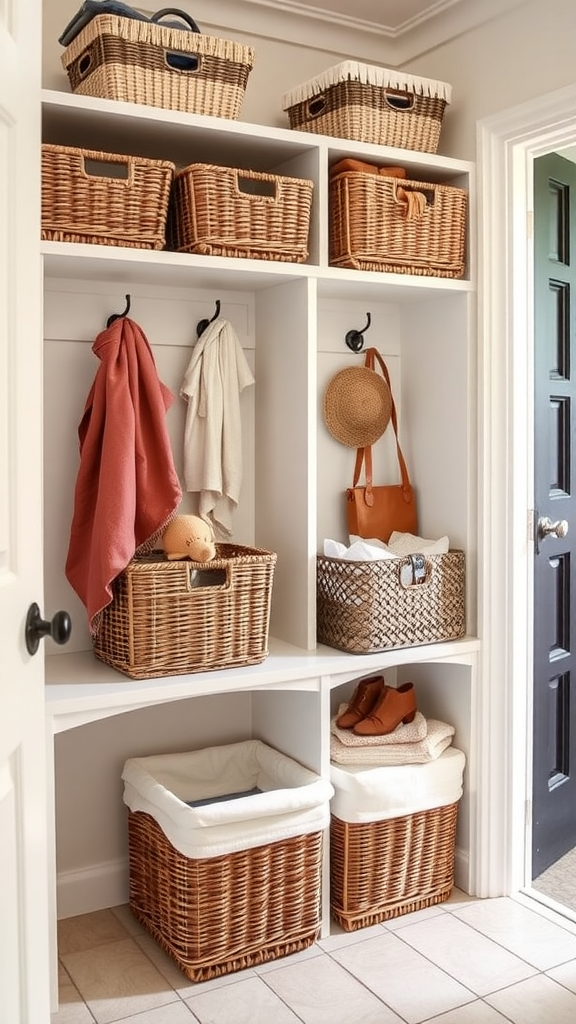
<point x="107" y="885"/>
<point x="462" y="870"/>
<point x="93" y="888"/>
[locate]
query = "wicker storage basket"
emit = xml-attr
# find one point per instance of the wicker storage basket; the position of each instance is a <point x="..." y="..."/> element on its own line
<point x="380" y="869"/>
<point x="395" y="225"/>
<point x="363" y="607"/>
<point x="223" y="211"/>
<point x="388" y="868"/>
<point x="370" y="104"/>
<point x="215" y="914"/>
<point x="171" y="617"/>
<point x="144" y="62"/>
<point x="104" y="198"/>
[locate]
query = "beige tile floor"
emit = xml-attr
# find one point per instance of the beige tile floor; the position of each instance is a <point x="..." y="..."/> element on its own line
<point x="466" y="961"/>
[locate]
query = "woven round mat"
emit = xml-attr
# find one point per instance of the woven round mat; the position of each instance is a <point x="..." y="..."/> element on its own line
<point x="357" y="406"/>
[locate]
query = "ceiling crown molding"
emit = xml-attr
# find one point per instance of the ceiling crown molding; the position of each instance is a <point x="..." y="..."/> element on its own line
<point x="303" y="25"/>
<point x="447" y="22"/>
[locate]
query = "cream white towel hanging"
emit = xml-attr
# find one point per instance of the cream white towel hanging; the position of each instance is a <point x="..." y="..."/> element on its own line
<point x="217" y="373"/>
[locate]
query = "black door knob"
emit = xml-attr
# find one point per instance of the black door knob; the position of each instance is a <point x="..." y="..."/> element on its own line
<point x="59" y="628"/>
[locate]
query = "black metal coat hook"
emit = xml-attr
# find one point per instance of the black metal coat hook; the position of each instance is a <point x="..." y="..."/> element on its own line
<point x="118" y="316"/>
<point x="355" y="339"/>
<point x="203" y="324"/>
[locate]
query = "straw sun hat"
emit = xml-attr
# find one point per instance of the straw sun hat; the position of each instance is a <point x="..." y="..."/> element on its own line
<point x="357" y="406"/>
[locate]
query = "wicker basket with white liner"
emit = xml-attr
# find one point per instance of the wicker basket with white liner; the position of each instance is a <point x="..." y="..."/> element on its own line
<point x="234" y="881"/>
<point x="392" y="838"/>
<point x="226" y="211"/>
<point x="137" y="61"/>
<point x="414" y="228"/>
<point x="173" y="617"/>
<point x="365" y="607"/>
<point x="367" y="103"/>
<point x="104" y="198"/>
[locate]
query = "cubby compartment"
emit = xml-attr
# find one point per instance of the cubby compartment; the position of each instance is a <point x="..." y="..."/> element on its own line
<point x="91" y="747"/>
<point x="445" y="689"/>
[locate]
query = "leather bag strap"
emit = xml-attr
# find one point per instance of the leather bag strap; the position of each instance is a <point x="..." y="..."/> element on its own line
<point x="364" y="455"/>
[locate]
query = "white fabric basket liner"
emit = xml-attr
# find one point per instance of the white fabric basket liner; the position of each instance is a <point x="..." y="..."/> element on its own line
<point x="368" y="74"/>
<point x="376" y="794"/>
<point x="294" y="800"/>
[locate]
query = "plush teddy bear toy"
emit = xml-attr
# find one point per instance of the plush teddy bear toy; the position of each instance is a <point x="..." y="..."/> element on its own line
<point x="189" y="537"/>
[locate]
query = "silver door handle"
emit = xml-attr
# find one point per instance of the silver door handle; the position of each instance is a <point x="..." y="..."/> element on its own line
<point x="546" y="528"/>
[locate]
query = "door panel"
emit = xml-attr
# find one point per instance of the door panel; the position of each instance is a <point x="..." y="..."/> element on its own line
<point x="24" y="974"/>
<point x="554" y="703"/>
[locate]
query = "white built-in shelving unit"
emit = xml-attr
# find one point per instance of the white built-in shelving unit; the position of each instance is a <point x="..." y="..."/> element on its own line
<point x="292" y="320"/>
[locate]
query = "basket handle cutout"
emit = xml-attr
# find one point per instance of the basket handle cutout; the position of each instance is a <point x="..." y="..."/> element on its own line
<point x="316" y="106"/>
<point x="175" y="60"/>
<point x="85" y="62"/>
<point x="120" y="168"/>
<point x="207" y="578"/>
<point x="399" y="100"/>
<point x="258" y="188"/>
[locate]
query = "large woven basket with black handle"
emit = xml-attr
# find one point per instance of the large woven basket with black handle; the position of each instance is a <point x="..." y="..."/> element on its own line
<point x="147" y="62"/>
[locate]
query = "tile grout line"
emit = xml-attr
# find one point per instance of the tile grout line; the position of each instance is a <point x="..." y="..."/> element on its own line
<point x="497" y="942"/>
<point x="477" y="995"/>
<point x="371" y="991"/>
<point x="76" y="989"/>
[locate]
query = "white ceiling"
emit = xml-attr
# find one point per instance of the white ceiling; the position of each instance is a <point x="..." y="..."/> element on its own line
<point x="384" y="31"/>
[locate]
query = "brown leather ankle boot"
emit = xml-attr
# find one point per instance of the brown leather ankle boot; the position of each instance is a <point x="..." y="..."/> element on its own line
<point x="394" y="706"/>
<point x="365" y="697"/>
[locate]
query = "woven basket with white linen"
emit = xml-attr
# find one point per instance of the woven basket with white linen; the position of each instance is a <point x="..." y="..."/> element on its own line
<point x="370" y="104"/>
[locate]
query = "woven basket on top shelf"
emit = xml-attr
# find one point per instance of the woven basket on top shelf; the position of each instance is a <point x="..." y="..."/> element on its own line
<point x="172" y="617"/>
<point x="390" y="224"/>
<point x="104" y="198"/>
<point x="224" y="211"/>
<point x="145" y="62"/>
<point x="370" y="104"/>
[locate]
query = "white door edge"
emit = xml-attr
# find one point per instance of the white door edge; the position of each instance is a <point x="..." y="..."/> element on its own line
<point x="507" y="146"/>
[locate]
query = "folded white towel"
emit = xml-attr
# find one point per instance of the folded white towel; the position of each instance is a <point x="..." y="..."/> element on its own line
<point x="410" y="733"/>
<point x="437" y="739"/>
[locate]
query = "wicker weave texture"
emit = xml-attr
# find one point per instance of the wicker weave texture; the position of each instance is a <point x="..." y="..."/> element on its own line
<point x="168" y="618"/>
<point x="140" y="62"/>
<point x="212" y="214"/>
<point x="369" y="113"/>
<point x="83" y="202"/>
<point x="223" y="914"/>
<point x="362" y="607"/>
<point x="371" y="229"/>
<point x="382" y="869"/>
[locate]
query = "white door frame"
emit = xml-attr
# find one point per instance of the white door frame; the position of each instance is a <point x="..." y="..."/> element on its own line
<point x="507" y="146"/>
